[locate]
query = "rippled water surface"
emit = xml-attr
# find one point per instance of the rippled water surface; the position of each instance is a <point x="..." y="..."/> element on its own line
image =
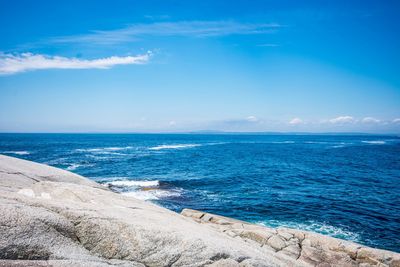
<point x="343" y="186"/>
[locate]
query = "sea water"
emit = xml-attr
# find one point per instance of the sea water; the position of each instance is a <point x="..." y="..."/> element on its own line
<point x="346" y="186"/>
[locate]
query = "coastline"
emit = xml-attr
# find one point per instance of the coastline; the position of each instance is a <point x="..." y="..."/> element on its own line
<point x="52" y="216"/>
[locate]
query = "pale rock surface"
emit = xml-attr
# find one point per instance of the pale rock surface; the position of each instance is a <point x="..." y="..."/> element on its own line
<point x="51" y="217"/>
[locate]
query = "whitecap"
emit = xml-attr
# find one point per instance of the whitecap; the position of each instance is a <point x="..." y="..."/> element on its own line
<point x="152" y="194"/>
<point x="73" y="167"/>
<point x="103" y="149"/>
<point x="131" y="183"/>
<point x="17" y="152"/>
<point x="142" y="189"/>
<point x="341" y="144"/>
<point x="283" y="142"/>
<point x="176" y="146"/>
<point x="376" y="142"/>
<point x="117" y="148"/>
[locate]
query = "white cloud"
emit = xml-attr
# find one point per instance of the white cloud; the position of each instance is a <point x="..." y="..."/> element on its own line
<point x="296" y="121"/>
<point x="11" y="63"/>
<point x="252" y="119"/>
<point x="396" y="120"/>
<point x="342" y="120"/>
<point x="172" y="123"/>
<point x="180" y="28"/>
<point x="370" y="120"/>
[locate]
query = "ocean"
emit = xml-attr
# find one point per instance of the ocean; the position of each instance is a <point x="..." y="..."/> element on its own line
<point x="345" y="186"/>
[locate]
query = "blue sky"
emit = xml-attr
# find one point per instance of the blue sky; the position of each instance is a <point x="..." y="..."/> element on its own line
<point x="172" y="66"/>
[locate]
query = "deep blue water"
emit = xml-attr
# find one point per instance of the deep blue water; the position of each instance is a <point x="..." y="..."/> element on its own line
<point x="343" y="186"/>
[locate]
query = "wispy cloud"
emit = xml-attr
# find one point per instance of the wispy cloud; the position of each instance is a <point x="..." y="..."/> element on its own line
<point x="180" y="28"/>
<point x="342" y="119"/>
<point x="397" y="120"/>
<point x="15" y="63"/>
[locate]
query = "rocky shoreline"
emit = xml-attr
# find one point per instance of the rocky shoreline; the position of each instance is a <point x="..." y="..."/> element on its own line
<point x="51" y="217"/>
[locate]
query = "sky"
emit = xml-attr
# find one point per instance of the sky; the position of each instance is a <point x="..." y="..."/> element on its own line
<point x="178" y="66"/>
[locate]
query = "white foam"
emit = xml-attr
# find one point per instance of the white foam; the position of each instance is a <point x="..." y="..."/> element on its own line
<point x="117" y="148"/>
<point x="152" y="194"/>
<point x="73" y="167"/>
<point x="341" y="144"/>
<point x="17" y="152"/>
<point x="338" y="146"/>
<point x="283" y="142"/>
<point x="377" y="142"/>
<point x="130" y="183"/>
<point x="103" y="149"/>
<point x="176" y="146"/>
<point x="318" y="227"/>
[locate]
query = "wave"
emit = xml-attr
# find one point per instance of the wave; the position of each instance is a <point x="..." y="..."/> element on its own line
<point x="144" y="190"/>
<point x="103" y="149"/>
<point x="141" y="189"/>
<point x="341" y="144"/>
<point x="177" y="146"/>
<point x="74" y="166"/>
<point x="131" y="183"/>
<point x="313" y="226"/>
<point x="338" y="146"/>
<point x="376" y="142"/>
<point x="17" y="152"/>
<point x="155" y="194"/>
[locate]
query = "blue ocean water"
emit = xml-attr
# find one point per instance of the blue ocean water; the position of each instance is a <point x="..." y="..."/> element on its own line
<point x="343" y="186"/>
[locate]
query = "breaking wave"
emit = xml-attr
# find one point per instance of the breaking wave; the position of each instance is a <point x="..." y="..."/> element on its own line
<point x="177" y="146"/>
<point x="376" y="142"/>
<point x="155" y="194"/>
<point x="17" y="152"/>
<point x="103" y="149"/>
<point x="130" y="183"/>
<point x="74" y="166"/>
<point x="143" y="189"/>
<point x="313" y="226"/>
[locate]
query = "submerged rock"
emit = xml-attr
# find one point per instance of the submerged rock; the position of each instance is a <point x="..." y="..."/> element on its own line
<point x="51" y="217"/>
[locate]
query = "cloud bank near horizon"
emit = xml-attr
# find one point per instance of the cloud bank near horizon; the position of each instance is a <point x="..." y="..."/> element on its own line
<point x="16" y="63"/>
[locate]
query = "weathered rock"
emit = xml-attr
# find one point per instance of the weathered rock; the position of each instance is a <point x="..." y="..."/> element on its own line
<point x="300" y="248"/>
<point x="276" y="242"/>
<point x="51" y="217"/>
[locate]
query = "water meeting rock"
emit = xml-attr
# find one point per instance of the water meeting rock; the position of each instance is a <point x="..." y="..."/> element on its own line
<point x="51" y="217"/>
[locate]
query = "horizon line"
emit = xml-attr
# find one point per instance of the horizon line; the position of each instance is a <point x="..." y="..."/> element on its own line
<point x="210" y="132"/>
